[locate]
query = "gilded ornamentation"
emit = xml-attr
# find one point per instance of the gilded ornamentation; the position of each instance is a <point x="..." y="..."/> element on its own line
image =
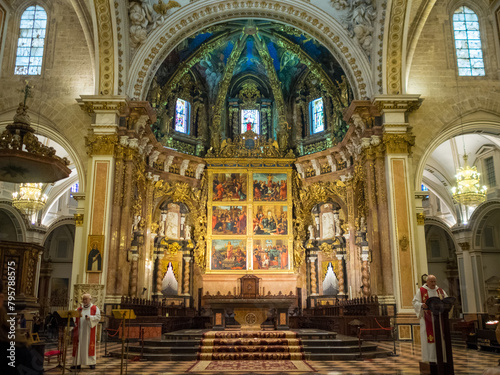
<point x="398" y="143"/>
<point x="106" y="47"/>
<point x="304" y="199"/>
<point x="328" y="249"/>
<point x="249" y="95"/>
<point x="173" y="248"/>
<point x="78" y="220"/>
<point x="421" y="219"/>
<point x="101" y="144"/>
<point x="95" y="290"/>
<point x="196" y="201"/>
<point x="249" y="145"/>
<point x="395" y="47"/>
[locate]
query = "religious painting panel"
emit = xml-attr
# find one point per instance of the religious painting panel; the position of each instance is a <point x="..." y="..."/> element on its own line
<point x="228" y="254"/>
<point x="95" y="248"/>
<point x="270" y="187"/>
<point x="270" y="254"/>
<point x="229" y="187"/>
<point x="229" y="220"/>
<point x="59" y="292"/>
<point x="270" y="220"/>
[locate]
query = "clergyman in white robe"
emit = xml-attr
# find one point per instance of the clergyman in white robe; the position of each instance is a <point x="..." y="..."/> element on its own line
<point x="428" y="348"/>
<point x="85" y="342"/>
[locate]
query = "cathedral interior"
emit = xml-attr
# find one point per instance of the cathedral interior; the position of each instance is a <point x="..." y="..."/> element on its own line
<point x="197" y="155"/>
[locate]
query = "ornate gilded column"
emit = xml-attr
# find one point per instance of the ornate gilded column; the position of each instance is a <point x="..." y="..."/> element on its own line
<point x="398" y="141"/>
<point x="340" y="259"/>
<point x="91" y="260"/>
<point x="314" y="278"/>
<point x="365" y="275"/>
<point x="187" y="275"/>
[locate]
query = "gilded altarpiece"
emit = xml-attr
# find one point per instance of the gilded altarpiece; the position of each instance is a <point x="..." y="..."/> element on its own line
<point x="249" y="217"/>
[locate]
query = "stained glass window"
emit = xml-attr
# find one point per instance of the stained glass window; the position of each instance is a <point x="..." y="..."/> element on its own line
<point x="317" y="116"/>
<point x="31" y="41"/>
<point x="250" y="120"/>
<point x="182" y="116"/>
<point x="468" y="42"/>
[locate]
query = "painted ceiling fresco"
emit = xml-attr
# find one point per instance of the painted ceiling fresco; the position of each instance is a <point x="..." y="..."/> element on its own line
<point x="211" y="49"/>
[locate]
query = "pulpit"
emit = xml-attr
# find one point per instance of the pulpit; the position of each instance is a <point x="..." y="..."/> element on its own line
<point x="249" y="308"/>
<point x="440" y="309"/>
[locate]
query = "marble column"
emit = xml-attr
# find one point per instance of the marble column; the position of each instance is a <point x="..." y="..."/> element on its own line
<point x="422" y="265"/>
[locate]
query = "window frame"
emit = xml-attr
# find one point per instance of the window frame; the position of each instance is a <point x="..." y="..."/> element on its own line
<point x="188" y="117"/>
<point x="482" y="37"/>
<point x="311" y="117"/>
<point x="259" y="125"/>
<point x="45" y="7"/>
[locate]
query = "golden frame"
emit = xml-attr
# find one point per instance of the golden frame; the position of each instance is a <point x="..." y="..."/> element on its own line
<point x="251" y="207"/>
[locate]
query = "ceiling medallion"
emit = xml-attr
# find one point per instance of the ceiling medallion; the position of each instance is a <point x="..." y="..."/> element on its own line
<point x="23" y="158"/>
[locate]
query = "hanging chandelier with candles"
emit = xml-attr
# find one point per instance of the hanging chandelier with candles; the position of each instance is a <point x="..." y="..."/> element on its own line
<point x="467" y="191"/>
<point x="29" y="199"/>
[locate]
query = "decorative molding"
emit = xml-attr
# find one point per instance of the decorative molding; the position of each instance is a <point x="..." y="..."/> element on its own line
<point x="395" y="47"/>
<point x="420" y="219"/>
<point x="95" y="290"/>
<point x="106" y="47"/>
<point x="101" y="144"/>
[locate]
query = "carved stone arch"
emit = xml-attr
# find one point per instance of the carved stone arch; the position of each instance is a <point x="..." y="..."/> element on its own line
<point x="196" y="16"/>
<point x="478" y="219"/>
<point x="16" y="218"/>
<point x="58" y="223"/>
<point x="442" y="225"/>
<point x="453" y="129"/>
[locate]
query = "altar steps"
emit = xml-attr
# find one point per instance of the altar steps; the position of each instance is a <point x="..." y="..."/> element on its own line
<point x="309" y="344"/>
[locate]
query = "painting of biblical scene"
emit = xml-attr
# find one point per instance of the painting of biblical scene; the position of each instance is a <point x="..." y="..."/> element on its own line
<point x="270" y="255"/>
<point x="270" y="220"/>
<point x="250" y="120"/>
<point x="229" y="220"/>
<point x="229" y="187"/>
<point x="270" y="187"/>
<point x="229" y="255"/>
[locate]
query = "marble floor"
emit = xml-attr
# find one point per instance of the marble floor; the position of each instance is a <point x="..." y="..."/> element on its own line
<point x="466" y="361"/>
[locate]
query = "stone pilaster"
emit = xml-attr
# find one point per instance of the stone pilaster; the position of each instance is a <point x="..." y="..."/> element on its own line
<point x="398" y="140"/>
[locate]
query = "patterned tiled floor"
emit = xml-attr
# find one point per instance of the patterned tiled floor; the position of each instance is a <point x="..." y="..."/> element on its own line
<point x="468" y="362"/>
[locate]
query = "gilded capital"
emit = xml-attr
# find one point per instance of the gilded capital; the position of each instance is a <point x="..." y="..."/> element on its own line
<point x="420" y="219"/>
<point x="78" y="220"/>
<point x="101" y="144"/>
<point x="398" y="143"/>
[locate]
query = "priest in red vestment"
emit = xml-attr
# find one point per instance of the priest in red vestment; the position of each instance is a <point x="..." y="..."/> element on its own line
<point x="84" y="334"/>
<point x="427" y="336"/>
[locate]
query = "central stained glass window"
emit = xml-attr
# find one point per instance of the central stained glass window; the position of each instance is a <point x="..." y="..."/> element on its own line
<point x="317" y="116"/>
<point x="250" y="120"/>
<point x="182" y="116"/>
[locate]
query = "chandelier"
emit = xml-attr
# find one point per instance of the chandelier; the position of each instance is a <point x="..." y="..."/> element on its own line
<point x="467" y="191"/>
<point x="29" y="199"/>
